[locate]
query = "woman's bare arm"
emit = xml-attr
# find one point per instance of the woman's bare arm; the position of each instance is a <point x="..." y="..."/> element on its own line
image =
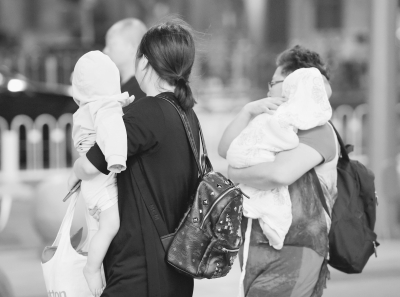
<point x="232" y="131"/>
<point x="248" y="112"/>
<point x="288" y="167"/>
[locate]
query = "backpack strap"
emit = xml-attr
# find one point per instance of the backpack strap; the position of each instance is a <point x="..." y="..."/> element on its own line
<point x="205" y="165"/>
<point x="343" y="149"/>
<point x="140" y="178"/>
<point x="320" y="192"/>
<point x="344" y="155"/>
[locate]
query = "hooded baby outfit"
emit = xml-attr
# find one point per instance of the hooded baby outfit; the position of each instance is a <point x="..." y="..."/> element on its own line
<point x="96" y="89"/>
<point x="266" y="135"/>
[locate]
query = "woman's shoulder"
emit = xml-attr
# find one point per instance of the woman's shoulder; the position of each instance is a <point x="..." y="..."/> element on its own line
<point x="323" y="130"/>
<point x="145" y="101"/>
<point x="145" y="114"/>
<point x="322" y="139"/>
<point x="142" y="107"/>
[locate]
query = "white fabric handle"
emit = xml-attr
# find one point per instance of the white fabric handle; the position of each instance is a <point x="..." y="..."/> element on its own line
<point x="245" y="256"/>
<point x="66" y="224"/>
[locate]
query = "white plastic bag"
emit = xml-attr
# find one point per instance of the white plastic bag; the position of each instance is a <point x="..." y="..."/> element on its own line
<point x="63" y="273"/>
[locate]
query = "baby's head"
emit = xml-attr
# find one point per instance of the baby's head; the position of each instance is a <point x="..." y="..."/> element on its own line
<point x="95" y="77"/>
<point x="308" y="105"/>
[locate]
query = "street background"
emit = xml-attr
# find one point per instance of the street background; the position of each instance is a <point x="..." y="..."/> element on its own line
<point x="237" y="45"/>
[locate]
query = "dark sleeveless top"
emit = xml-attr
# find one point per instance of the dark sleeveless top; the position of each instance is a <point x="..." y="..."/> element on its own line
<point x="308" y="227"/>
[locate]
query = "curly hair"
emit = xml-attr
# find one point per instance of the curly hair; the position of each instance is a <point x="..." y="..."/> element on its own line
<point x="299" y="57"/>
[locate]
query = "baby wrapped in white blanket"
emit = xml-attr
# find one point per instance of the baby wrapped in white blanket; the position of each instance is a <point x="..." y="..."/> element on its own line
<point x="266" y="135"/>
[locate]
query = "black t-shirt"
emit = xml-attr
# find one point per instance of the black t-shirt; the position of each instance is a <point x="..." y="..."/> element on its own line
<point x="135" y="261"/>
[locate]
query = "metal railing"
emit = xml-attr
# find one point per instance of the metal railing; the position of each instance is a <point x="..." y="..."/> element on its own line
<point x="45" y="143"/>
<point x="32" y="147"/>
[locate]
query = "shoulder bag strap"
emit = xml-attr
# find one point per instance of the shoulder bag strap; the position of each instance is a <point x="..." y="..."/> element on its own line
<point x="140" y="178"/>
<point x="315" y="176"/>
<point x="320" y="192"/>
<point x="204" y="159"/>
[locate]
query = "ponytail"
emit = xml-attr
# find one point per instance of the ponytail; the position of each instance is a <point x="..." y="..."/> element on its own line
<point x="183" y="93"/>
<point x="170" y="50"/>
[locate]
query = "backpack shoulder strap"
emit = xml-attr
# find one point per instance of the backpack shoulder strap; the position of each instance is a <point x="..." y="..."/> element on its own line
<point x="320" y="192"/>
<point x="343" y="150"/>
<point x="204" y="159"/>
<point x="139" y="175"/>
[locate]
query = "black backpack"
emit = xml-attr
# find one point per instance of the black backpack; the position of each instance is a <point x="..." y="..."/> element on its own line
<point x="351" y="238"/>
<point x="208" y="239"/>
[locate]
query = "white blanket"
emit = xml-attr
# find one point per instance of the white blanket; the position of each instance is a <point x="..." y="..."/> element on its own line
<point x="266" y="135"/>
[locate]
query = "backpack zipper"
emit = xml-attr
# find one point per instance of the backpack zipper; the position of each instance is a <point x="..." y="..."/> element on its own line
<point x="230" y="250"/>
<point x="375" y="250"/>
<point x="222" y="196"/>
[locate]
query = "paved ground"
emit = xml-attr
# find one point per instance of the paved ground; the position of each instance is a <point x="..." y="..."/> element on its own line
<point x="20" y="248"/>
<point x="381" y="277"/>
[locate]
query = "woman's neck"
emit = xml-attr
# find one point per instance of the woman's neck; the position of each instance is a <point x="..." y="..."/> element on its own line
<point x="155" y="86"/>
<point x="127" y="71"/>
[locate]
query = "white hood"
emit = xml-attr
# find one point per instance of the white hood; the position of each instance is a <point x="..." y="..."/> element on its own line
<point x="96" y="77"/>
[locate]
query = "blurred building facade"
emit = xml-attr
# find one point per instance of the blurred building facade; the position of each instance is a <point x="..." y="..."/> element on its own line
<point x="238" y="39"/>
<point x="238" y="42"/>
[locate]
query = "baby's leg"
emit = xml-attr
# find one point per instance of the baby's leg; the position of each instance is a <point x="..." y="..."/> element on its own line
<point x="108" y="228"/>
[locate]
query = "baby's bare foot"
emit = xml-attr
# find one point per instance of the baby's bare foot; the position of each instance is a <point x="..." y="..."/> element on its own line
<point x="94" y="281"/>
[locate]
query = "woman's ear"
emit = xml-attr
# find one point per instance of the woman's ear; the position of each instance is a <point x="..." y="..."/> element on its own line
<point x="142" y="62"/>
<point x="328" y="88"/>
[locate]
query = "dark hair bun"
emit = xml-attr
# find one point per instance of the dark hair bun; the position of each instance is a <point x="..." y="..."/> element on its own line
<point x="170" y="49"/>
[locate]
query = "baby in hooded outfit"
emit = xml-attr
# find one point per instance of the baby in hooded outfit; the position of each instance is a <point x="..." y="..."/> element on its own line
<point x="96" y="90"/>
<point x="266" y="135"/>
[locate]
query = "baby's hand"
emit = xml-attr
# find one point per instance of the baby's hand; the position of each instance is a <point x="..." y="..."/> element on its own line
<point x="126" y="102"/>
<point x="116" y="168"/>
<point x="95" y="213"/>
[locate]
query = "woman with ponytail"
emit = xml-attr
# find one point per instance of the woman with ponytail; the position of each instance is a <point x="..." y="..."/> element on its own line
<point x="157" y="146"/>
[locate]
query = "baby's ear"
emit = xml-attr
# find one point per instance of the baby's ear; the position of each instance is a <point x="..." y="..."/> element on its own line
<point x="328" y="88"/>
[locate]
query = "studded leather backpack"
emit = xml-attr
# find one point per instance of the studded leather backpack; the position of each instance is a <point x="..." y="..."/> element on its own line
<point x="208" y="238"/>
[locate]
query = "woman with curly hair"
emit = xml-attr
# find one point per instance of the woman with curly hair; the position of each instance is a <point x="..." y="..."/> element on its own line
<point x="299" y="268"/>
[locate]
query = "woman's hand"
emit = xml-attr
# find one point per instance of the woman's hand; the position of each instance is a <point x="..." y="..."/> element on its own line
<point x="266" y="105"/>
<point x="248" y="112"/>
